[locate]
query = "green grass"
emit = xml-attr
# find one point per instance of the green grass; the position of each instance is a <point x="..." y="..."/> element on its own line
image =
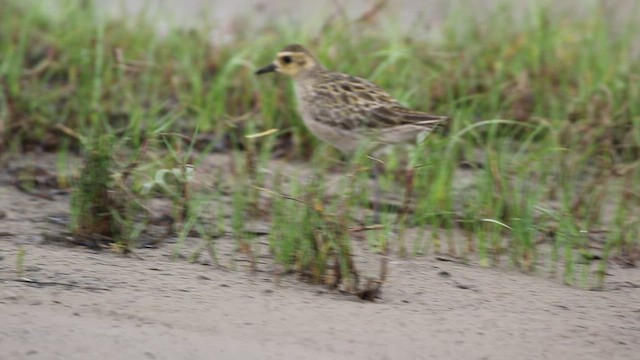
<point x="544" y="108"/>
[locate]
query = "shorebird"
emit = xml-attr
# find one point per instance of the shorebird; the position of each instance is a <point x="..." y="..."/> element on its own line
<point x="345" y="110"/>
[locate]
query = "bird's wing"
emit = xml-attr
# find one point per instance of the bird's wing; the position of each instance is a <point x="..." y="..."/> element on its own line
<point x="350" y="102"/>
<point x="396" y="115"/>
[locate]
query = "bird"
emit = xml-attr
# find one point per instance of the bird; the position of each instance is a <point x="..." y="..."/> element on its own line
<point x="344" y="110"/>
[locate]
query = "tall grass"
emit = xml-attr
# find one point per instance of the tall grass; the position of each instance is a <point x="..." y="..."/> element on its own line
<point x="544" y="118"/>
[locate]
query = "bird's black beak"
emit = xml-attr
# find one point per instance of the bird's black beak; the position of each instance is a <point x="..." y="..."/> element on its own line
<point x="266" y="69"/>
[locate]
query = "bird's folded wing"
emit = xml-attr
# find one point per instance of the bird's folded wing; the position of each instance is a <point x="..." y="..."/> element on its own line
<point x="389" y="116"/>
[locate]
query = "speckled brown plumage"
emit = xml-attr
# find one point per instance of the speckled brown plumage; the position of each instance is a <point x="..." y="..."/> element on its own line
<point x="345" y="110"/>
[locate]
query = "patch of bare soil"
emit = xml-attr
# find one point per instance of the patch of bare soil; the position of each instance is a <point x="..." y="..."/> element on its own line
<point x="75" y="303"/>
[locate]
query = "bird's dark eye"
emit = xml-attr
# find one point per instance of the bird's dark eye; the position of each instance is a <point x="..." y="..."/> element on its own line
<point x="287" y="59"/>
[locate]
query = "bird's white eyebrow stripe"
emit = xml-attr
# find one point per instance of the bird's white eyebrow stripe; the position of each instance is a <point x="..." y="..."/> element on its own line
<point x="285" y="53"/>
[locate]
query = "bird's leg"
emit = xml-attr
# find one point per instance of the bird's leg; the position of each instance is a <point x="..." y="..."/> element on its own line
<point x="375" y="172"/>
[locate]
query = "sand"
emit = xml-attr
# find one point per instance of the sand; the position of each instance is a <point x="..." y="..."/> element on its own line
<point x="76" y="303"/>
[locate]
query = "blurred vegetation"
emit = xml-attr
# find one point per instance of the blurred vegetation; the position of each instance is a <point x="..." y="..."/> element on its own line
<point x="545" y="125"/>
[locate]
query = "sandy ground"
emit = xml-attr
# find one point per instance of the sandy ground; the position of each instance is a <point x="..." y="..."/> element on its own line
<point x="113" y="307"/>
<point x="72" y="303"/>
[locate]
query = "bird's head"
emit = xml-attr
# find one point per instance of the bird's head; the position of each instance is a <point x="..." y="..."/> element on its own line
<point x="293" y="60"/>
